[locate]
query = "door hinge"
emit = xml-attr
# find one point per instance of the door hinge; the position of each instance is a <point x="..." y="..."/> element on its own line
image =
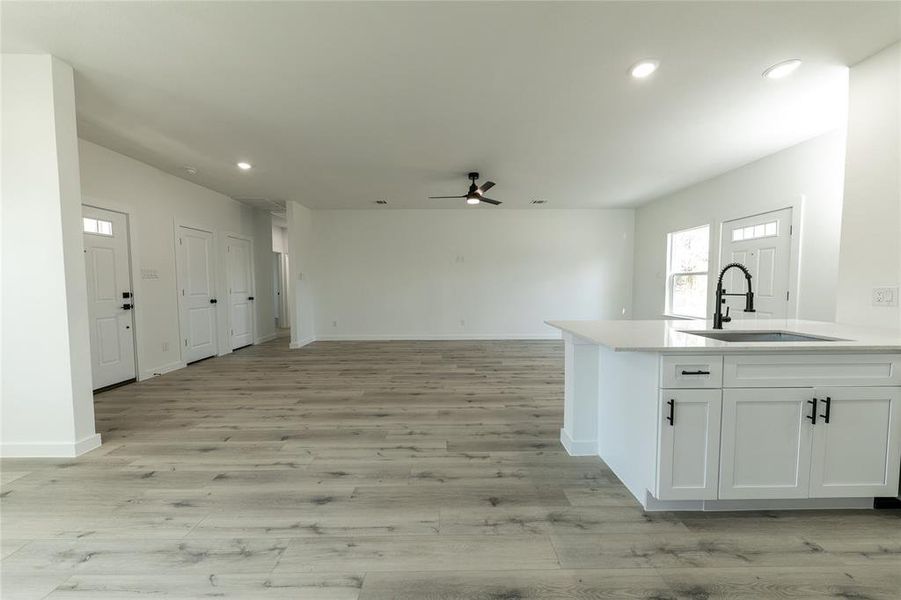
<point x="179" y="241"/>
<point x="233" y="332"/>
<point x="791" y="229"/>
<point x="786" y="296"/>
<point x="186" y="342"/>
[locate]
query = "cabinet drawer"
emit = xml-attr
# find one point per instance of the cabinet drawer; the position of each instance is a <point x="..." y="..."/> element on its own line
<point x="809" y="370"/>
<point x="691" y="371"/>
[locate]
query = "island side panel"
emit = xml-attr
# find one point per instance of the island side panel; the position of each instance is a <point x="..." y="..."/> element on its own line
<point x="580" y="396"/>
<point x="627" y="417"/>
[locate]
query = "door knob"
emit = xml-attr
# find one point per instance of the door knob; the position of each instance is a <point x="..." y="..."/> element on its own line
<point x="127" y="306"/>
<point x="250" y="297"/>
<point x="213" y="301"/>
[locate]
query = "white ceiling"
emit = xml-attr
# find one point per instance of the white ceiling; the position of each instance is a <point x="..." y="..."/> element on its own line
<point x="341" y="104"/>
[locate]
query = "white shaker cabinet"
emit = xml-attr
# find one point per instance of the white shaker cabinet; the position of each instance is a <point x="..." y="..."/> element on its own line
<point x="689" y="434"/>
<point x="766" y="443"/>
<point x="856" y="442"/>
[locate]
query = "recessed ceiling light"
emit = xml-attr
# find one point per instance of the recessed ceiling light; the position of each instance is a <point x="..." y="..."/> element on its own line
<point x="190" y="170"/>
<point x="782" y="69"/>
<point x="644" y="68"/>
<point x="245" y="166"/>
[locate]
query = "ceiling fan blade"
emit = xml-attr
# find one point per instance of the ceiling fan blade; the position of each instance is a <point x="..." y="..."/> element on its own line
<point x="443" y="197"/>
<point x="486" y="186"/>
<point x="489" y="201"/>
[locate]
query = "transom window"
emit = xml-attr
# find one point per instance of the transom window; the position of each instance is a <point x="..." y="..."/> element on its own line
<point x="97" y="226"/>
<point x="754" y="232"/>
<point x="686" y="272"/>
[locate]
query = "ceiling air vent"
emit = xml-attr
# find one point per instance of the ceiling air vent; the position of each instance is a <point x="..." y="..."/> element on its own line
<point x="538" y="202"/>
<point x="381" y="202"/>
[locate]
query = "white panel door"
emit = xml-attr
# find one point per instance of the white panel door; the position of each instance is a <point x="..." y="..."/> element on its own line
<point x="856" y="450"/>
<point x="109" y="296"/>
<point x="766" y="443"/>
<point x="240" y="291"/>
<point x="689" y="452"/>
<point x="197" y="293"/>
<point x="762" y="243"/>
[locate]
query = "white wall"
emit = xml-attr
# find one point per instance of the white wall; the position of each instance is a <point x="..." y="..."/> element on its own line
<point x="301" y="260"/>
<point x="807" y="177"/>
<point x="47" y="406"/>
<point x="479" y="273"/>
<point x="264" y="282"/>
<point x="155" y="202"/>
<point x="871" y="229"/>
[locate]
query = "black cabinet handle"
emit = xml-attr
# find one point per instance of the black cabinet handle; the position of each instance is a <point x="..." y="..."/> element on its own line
<point x="828" y="403"/>
<point x="250" y="297"/>
<point x="813" y="412"/>
<point x="127" y="306"/>
<point x="672" y="411"/>
<point x="696" y="372"/>
<point x="213" y="301"/>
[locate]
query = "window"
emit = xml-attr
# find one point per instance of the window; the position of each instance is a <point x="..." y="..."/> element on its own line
<point x="686" y="272"/>
<point x="97" y="226"/>
<point x="754" y="232"/>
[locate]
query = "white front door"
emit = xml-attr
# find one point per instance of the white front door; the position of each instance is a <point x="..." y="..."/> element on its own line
<point x="761" y="243"/>
<point x="109" y="296"/>
<point x="240" y="291"/>
<point x="197" y="293"/>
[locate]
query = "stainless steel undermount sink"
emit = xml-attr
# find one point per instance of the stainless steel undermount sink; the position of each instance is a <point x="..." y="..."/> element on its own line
<point x="761" y="336"/>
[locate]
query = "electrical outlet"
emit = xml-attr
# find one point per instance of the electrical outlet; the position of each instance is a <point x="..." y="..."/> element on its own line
<point x="334" y="323"/>
<point x="885" y="296"/>
<point x="165" y="346"/>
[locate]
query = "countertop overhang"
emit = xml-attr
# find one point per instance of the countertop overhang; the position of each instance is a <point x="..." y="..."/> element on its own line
<point x="671" y="336"/>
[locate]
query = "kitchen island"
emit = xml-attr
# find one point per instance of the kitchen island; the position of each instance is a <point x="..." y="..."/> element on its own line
<point x="780" y="414"/>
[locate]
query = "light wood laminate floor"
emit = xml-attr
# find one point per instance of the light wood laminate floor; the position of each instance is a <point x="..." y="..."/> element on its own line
<point x="390" y="470"/>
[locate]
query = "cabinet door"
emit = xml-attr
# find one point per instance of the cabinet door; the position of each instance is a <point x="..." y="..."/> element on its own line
<point x="856" y="451"/>
<point x="766" y="441"/>
<point x="689" y="449"/>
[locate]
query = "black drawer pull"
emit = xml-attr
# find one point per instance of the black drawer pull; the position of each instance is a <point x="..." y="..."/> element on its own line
<point x="672" y="411"/>
<point x="813" y="412"/>
<point x="828" y="403"/>
<point x="696" y="372"/>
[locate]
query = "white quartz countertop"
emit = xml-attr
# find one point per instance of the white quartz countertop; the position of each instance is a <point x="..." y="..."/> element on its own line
<point x="671" y="336"/>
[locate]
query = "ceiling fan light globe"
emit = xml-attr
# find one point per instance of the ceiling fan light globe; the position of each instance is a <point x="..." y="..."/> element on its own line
<point x="472" y="200"/>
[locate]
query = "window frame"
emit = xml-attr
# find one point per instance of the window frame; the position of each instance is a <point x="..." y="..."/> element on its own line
<point x="671" y="275"/>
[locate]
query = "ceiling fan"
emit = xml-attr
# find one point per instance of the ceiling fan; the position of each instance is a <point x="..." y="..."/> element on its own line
<point x="474" y="195"/>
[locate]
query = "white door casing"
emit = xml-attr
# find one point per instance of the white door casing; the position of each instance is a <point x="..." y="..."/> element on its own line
<point x="689" y="450"/>
<point x="108" y="271"/>
<point x="856" y="446"/>
<point x="195" y="258"/>
<point x="766" y="443"/>
<point x="239" y="254"/>
<point x="762" y="243"/>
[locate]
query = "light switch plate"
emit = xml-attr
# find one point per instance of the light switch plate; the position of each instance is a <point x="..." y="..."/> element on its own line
<point x="885" y="296"/>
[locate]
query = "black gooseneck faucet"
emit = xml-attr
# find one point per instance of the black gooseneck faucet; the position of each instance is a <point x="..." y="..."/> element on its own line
<point x="718" y="317"/>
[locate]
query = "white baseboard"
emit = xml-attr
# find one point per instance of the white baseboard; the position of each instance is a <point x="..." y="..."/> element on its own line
<point x="580" y="448"/>
<point x="50" y="450"/>
<point x="652" y="504"/>
<point x="162" y="370"/>
<point x="387" y="337"/>
<point x="266" y="338"/>
<point x="304" y="342"/>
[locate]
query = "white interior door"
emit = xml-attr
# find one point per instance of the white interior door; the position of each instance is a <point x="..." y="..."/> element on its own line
<point x="762" y="243"/>
<point x="856" y="442"/>
<point x="109" y="296"/>
<point x="240" y="291"/>
<point x="197" y="293"/>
